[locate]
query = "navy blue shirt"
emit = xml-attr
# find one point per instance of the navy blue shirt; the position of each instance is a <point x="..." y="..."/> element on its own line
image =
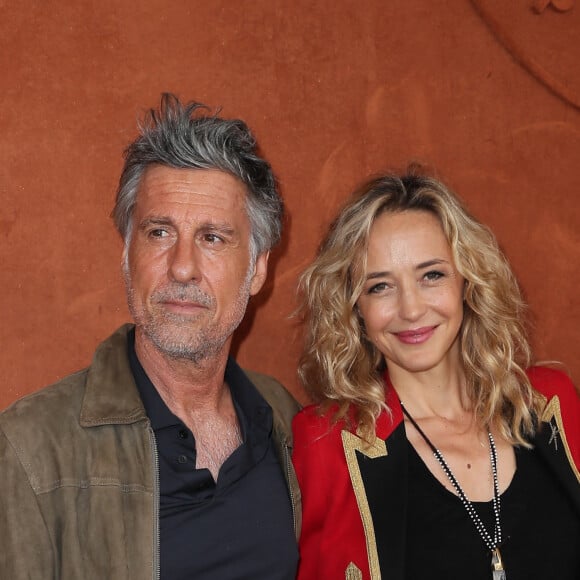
<point x="240" y="527"/>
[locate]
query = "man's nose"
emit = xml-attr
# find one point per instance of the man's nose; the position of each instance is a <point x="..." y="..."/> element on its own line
<point x="184" y="263"/>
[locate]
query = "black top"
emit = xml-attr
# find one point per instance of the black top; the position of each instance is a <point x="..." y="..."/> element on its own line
<point x="238" y="527"/>
<point x="540" y="529"/>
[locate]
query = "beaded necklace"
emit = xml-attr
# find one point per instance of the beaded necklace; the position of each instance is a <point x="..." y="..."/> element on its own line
<point x="493" y="544"/>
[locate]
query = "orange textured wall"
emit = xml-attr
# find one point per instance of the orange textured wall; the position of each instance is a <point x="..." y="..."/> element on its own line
<point x="486" y="91"/>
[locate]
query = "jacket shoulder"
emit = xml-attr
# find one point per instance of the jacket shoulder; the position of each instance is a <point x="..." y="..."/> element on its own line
<point x="283" y="404"/>
<point x="34" y="428"/>
<point x="48" y="407"/>
<point x="562" y="403"/>
<point x="551" y="382"/>
<point x="312" y="425"/>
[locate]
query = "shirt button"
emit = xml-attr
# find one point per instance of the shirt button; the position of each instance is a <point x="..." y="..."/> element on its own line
<point x="182" y="434"/>
<point x="182" y="459"/>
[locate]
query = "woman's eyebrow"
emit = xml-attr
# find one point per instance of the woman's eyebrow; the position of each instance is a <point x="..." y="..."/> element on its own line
<point x="421" y="266"/>
<point x="429" y="263"/>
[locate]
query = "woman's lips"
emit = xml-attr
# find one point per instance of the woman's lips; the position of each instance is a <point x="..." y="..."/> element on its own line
<point x="416" y="335"/>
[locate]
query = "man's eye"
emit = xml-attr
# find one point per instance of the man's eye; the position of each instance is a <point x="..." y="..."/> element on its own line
<point x="212" y="239"/>
<point x="158" y="233"/>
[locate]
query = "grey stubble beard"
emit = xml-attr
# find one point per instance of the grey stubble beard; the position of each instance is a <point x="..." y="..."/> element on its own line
<point x="172" y="334"/>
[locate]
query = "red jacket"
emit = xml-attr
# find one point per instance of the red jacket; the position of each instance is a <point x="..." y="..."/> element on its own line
<point x="343" y="483"/>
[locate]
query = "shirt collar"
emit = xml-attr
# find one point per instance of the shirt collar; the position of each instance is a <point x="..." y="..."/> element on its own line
<point x="252" y="409"/>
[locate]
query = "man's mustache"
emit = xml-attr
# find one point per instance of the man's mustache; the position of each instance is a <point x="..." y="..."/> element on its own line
<point x="183" y="293"/>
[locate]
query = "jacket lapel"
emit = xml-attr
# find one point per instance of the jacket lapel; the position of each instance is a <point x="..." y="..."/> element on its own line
<point x="379" y="478"/>
<point x="552" y="445"/>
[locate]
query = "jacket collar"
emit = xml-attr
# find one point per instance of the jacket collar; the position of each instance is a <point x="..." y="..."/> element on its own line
<point x="552" y="444"/>
<point x="111" y="396"/>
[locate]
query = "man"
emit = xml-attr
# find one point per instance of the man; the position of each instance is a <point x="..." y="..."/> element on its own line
<point x="164" y="458"/>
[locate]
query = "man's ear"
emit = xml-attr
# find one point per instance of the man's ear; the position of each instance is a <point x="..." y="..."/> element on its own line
<point x="260" y="273"/>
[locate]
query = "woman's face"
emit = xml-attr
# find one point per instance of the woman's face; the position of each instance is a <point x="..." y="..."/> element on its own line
<point x="412" y="297"/>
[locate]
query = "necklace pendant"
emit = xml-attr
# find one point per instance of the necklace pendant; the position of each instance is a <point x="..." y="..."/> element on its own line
<point x="498" y="572"/>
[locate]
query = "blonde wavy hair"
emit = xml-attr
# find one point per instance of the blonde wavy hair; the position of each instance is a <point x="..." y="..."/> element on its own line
<point x="341" y="369"/>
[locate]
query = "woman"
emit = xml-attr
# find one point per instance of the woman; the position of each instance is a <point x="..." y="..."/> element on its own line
<point x="432" y="452"/>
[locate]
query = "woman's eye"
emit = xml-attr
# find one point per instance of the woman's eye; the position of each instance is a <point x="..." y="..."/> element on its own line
<point x="434" y="275"/>
<point x="377" y="288"/>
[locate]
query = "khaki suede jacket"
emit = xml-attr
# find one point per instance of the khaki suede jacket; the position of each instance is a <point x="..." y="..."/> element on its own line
<point x="79" y="491"/>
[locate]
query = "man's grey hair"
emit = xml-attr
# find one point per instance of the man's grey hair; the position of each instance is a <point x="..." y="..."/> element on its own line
<point x="188" y="136"/>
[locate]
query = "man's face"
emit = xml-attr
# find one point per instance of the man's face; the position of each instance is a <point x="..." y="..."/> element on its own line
<point x="187" y="267"/>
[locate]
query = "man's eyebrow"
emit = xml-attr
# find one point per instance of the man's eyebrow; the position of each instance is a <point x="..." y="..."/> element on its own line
<point x="155" y="221"/>
<point x="421" y="266"/>
<point x="207" y="226"/>
<point x="222" y="227"/>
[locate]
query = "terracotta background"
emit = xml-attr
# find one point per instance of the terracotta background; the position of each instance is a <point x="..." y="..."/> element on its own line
<point x="486" y="91"/>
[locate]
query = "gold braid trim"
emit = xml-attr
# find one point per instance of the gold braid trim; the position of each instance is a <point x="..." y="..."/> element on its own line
<point x="553" y="410"/>
<point x="352" y="573"/>
<point x="352" y="443"/>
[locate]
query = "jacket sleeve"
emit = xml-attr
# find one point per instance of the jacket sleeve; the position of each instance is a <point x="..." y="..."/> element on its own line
<point x="26" y="551"/>
<point x="307" y="463"/>
<point x="332" y="537"/>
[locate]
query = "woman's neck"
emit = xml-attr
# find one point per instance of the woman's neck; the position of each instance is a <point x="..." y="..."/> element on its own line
<point x="434" y="393"/>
